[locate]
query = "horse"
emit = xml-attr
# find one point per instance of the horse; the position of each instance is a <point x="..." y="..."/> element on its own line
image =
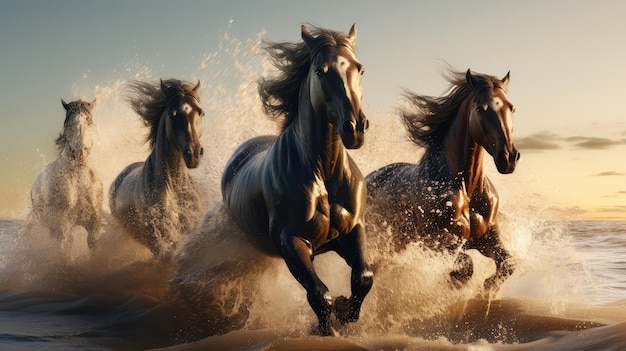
<point x="156" y="200"/>
<point x="445" y="201"/>
<point x="300" y="194"/>
<point x="67" y="192"/>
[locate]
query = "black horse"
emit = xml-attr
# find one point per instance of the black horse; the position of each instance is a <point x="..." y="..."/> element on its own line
<point x="445" y="201"/>
<point x="300" y="194"/>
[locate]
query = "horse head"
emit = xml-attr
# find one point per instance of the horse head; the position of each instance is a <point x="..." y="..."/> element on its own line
<point x="491" y="122"/>
<point x="184" y="122"/>
<point x="335" y="84"/>
<point x="77" y="135"/>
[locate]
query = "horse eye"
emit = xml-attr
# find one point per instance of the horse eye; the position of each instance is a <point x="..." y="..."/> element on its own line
<point x="319" y="72"/>
<point x="359" y="68"/>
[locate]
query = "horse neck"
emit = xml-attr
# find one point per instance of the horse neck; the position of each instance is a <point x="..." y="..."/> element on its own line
<point x="168" y="165"/>
<point x="68" y="161"/>
<point x="320" y="142"/>
<point x="464" y="155"/>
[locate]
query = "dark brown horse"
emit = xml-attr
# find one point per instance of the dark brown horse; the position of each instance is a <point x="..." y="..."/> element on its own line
<point x="446" y="201"/>
<point x="156" y="200"/>
<point x="300" y="194"/>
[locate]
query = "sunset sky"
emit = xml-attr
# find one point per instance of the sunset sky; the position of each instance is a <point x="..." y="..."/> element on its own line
<point x="567" y="61"/>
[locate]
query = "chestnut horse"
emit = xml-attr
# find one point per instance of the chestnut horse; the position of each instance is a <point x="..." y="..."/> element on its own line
<point x="445" y="201"/>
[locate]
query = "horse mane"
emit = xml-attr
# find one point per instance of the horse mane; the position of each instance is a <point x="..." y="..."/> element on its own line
<point x="71" y="109"/>
<point x="428" y="118"/>
<point x="150" y="101"/>
<point x="279" y="94"/>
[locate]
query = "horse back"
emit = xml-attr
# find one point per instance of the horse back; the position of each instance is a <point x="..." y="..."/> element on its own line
<point x="242" y="155"/>
<point x="120" y="192"/>
<point x="242" y="189"/>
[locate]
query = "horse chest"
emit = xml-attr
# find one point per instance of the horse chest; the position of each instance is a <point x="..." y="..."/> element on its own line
<point x="320" y="216"/>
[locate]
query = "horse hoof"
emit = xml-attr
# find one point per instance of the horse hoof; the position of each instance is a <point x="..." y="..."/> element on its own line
<point x="342" y="307"/>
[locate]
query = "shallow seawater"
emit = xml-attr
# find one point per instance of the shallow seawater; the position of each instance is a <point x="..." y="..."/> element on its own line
<point x="100" y="302"/>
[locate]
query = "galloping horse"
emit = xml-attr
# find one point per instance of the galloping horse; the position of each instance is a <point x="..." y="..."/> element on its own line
<point x="156" y="200"/>
<point x="300" y="194"/>
<point x="67" y="192"/>
<point x="446" y="201"/>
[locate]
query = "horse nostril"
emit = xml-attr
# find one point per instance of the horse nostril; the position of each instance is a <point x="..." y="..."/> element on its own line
<point x="517" y="156"/>
<point x="348" y="128"/>
<point x="201" y="151"/>
<point x="363" y="125"/>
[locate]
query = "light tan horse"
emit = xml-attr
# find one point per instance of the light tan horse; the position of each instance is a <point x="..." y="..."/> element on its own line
<point x="67" y="192"/>
<point x="445" y="201"/>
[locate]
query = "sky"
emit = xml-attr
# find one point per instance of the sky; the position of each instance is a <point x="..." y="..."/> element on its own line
<point x="567" y="61"/>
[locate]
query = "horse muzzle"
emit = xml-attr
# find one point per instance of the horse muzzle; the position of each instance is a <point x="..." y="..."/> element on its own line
<point x="192" y="156"/>
<point x="353" y="132"/>
<point x="506" y="161"/>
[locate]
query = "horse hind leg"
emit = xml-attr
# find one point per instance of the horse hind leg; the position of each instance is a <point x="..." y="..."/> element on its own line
<point x="352" y="250"/>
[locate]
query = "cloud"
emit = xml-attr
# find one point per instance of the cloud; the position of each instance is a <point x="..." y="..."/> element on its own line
<point x="547" y="140"/>
<point x="622" y="192"/>
<point x="610" y="173"/>
<point x="612" y="210"/>
<point x="539" y="141"/>
<point x="593" y="143"/>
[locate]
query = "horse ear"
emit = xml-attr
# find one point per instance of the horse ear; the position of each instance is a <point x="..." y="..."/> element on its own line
<point x="308" y="39"/>
<point x="65" y="105"/>
<point x="197" y="87"/>
<point x="93" y="103"/>
<point x="164" y="87"/>
<point x="352" y="34"/>
<point x="469" y="78"/>
<point x="506" y="78"/>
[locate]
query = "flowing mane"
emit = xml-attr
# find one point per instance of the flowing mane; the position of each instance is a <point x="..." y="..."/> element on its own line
<point x="149" y="101"/>
<point x="428" y="120"/>
<point x="279" y="94"/>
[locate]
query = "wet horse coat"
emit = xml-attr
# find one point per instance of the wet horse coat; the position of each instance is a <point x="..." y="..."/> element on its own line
<point x="156" y="200"/>
<point x="300" y="194"/>
<point x="445" y="201"/>
<point x="68" y="192"/>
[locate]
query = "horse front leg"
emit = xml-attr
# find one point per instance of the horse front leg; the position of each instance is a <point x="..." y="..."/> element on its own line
<point x="92" y="225"/>
<point x="352" y="249"/>
<point x="298" y="254"/>
<point x="491" y="246"/>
